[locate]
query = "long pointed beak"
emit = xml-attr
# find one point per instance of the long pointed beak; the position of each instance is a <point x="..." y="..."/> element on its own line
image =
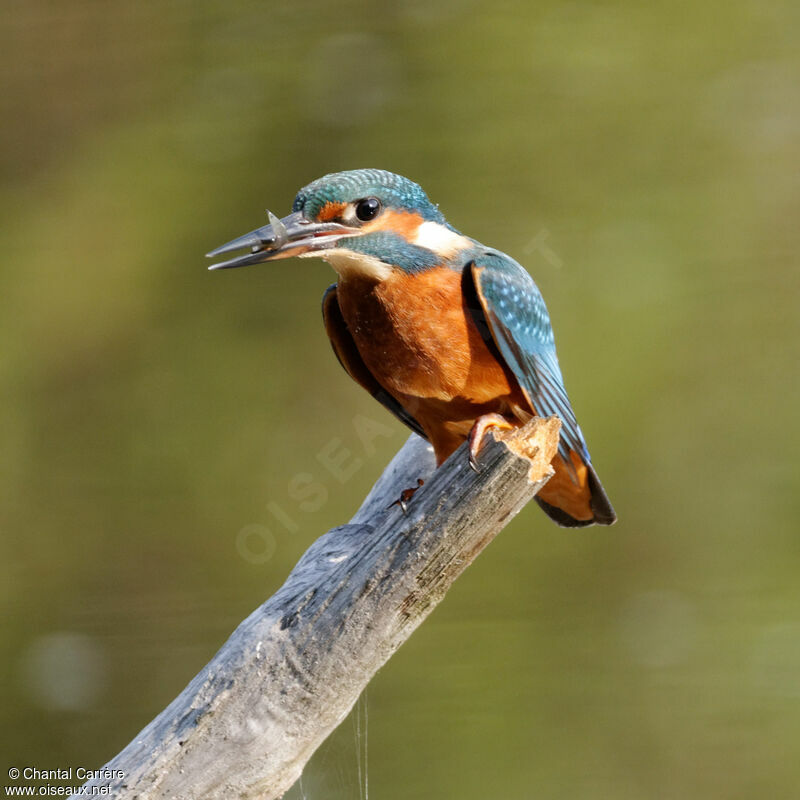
<point x="291" y="236"/>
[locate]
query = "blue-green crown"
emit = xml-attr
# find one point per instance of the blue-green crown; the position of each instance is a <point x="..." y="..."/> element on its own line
<point x="394" y="191"/>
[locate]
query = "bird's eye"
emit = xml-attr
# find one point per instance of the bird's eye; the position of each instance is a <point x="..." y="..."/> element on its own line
<point x="368" y="208"/>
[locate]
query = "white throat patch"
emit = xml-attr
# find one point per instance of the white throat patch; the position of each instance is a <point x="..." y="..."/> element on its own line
<point x="351" y="264"/>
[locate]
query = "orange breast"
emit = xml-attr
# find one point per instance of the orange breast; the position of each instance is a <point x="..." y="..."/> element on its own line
<point x="421" y="343"/>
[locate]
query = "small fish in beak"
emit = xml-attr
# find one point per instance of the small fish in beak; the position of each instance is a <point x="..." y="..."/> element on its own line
<point x="293" y="235"/>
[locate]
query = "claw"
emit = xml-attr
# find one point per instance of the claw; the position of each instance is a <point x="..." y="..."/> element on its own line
<point x="482" y="424"/>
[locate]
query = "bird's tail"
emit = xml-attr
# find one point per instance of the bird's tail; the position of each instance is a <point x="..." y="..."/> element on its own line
<point x="574" y="496"/>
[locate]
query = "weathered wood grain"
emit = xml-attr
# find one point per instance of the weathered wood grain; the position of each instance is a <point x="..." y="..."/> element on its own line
<point x="291" y="672"/>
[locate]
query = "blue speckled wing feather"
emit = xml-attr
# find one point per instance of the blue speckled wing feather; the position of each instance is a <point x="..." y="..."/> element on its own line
<point x="520" y="326"/>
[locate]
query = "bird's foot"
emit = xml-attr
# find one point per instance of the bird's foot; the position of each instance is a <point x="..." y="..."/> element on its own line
<point x="405" y="496"/>
<point x="482" y="424"/>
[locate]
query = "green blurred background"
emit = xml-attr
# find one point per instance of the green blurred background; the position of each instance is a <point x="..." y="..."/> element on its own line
<point x="643" y="162"/>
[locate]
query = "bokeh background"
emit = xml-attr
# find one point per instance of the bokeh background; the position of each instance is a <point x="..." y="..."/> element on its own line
<point x="156" y="420"/>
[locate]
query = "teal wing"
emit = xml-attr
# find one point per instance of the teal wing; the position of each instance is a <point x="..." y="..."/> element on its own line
<point x="515" y="314"/>
<point x="520" y="327"/>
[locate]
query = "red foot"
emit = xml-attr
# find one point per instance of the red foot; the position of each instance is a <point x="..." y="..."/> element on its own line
<point x="482" y="424"/>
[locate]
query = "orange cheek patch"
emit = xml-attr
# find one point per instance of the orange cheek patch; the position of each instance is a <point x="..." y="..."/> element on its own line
<point x="331" y="211"/>
<point x="404" y="223"/>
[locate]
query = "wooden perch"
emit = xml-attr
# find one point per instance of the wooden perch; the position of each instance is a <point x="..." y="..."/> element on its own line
<point x="290" y="673"/>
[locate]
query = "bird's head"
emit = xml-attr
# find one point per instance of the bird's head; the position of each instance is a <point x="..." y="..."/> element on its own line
<point x="365" y="222"/>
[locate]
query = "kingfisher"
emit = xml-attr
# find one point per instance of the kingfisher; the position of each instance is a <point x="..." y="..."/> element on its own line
<point x="451" y="336"/>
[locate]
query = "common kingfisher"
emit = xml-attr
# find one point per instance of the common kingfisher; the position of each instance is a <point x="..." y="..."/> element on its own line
<point x="449" y="335"/>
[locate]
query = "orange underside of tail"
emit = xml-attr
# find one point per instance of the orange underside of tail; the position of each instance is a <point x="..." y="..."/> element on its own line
<point x="569" y="490"/>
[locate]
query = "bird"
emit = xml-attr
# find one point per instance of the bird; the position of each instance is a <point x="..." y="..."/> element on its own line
<point x="452" y="337"/>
